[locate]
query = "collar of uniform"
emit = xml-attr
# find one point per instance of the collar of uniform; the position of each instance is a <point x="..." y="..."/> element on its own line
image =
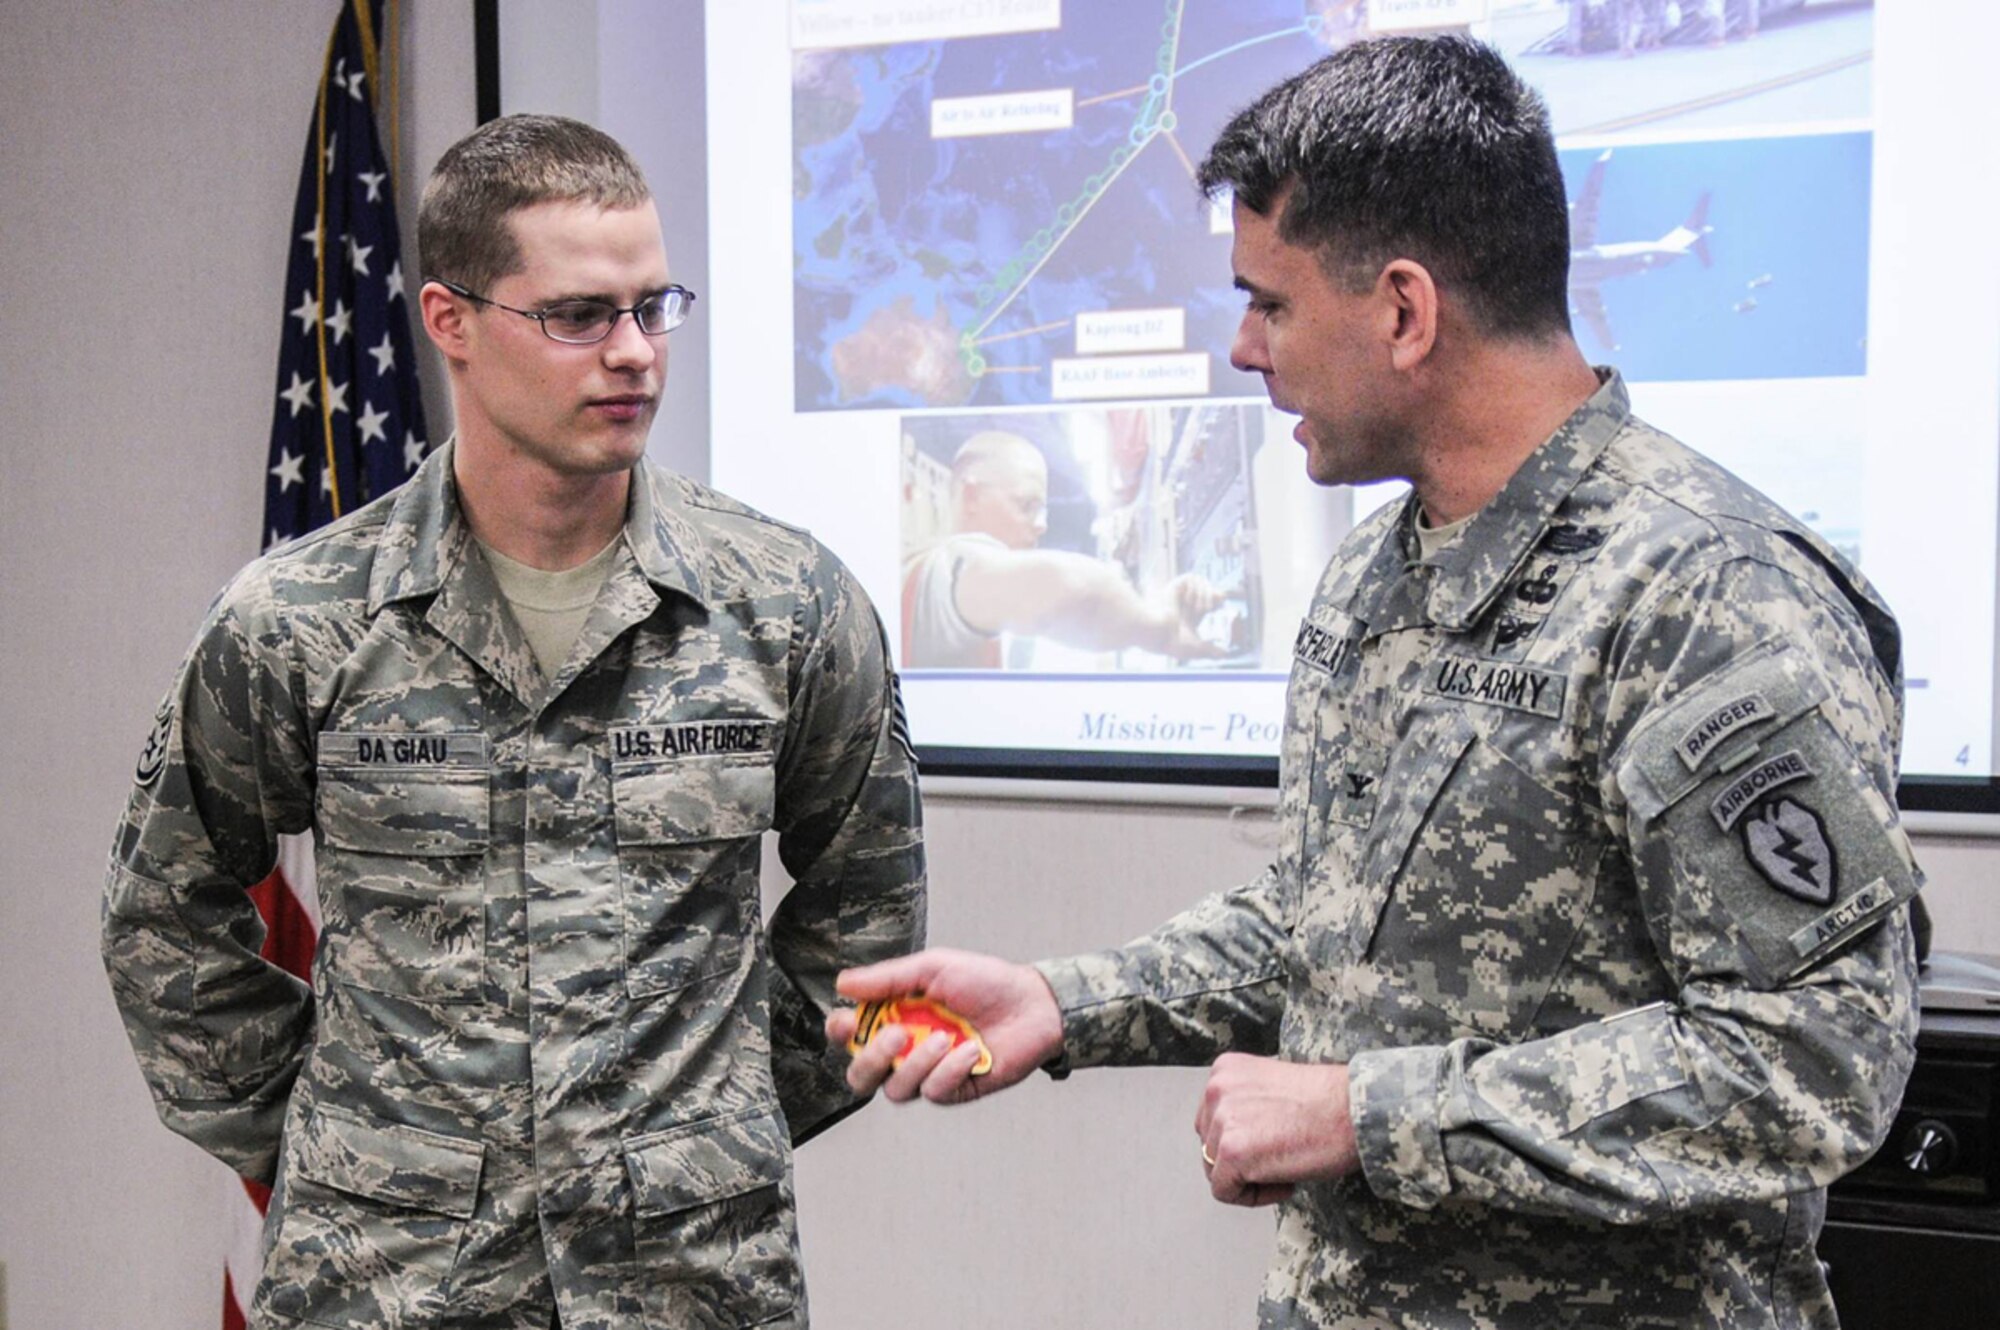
<point x="1472" y="569"/>
<point x="423" y="537"/>
<point x="426" y="534"/>
<point x="662" y="533"/>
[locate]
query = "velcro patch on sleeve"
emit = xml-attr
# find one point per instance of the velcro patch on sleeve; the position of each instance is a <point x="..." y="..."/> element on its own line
<point x="1779" y="848"/>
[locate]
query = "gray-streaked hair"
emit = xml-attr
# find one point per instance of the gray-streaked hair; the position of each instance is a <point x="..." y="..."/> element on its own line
<point x="1427" y="148"/>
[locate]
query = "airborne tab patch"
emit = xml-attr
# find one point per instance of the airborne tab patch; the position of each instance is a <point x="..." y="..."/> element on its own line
<point x="1520" y="687"/>
<point x="1754" y="784"/>
<point x="694" y="738"/>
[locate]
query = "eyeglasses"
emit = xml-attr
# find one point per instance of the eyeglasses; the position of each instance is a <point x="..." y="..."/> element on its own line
<point x="582" y="322"/>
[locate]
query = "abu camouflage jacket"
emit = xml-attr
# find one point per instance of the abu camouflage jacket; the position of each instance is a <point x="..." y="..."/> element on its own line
<point x="551" y="1051"/>
<point x="1590" y="870"/>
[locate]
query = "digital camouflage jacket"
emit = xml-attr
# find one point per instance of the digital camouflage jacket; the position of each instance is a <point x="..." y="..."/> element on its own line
<point x="1590" y="870"/>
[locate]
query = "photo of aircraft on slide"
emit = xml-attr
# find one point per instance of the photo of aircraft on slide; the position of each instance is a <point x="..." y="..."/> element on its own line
<point x="1592" y="264"/>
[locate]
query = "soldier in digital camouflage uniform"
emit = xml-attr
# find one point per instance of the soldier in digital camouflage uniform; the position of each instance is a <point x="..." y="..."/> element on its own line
<point x="551" y="1056"/>
<point x="1584" y="965"/>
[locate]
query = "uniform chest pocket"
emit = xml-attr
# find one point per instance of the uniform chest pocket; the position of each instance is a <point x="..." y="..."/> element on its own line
<point x="688" y="854"/>
<point x="402" y="876"/>
<point x="1487" y="872"/>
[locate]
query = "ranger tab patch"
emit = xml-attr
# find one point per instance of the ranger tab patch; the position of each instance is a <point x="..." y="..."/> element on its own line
<point x="1732" y="716"/>
<point x="1521" y="687"/>
<point x="1787" y="843"/>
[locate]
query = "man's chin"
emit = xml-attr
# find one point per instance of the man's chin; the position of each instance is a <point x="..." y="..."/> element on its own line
<point x="619" y="447"/>
<point x="1322" y="467"/>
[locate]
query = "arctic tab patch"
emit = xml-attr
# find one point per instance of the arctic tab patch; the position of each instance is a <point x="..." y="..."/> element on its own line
<point x="1519" y="687"/>
<point x="1731" y="717"/>
<point x="1787" y="843"/>
<point x="1843" y="918"/>
<point x="1730" y="805"/>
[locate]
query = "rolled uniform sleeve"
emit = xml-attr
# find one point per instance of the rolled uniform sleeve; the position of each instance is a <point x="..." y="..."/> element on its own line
<point x="1749" y="769"/>
<point x="219" y="1032"/>
<point x="850" y="834"/>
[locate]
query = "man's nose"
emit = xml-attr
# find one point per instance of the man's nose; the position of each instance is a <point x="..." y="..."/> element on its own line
<point x="628" y="347"/>
<point x="1246" y="352"/>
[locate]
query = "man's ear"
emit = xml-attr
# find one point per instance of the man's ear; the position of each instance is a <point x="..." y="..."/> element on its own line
<point x="444" y="321"/>
<point x="1409" y="296"/>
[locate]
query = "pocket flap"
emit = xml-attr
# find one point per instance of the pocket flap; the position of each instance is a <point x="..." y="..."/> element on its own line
<point x="1418" y="770"/>
<point x="1732" y="712"/>
<point x="694" y="799"/>
<point x="412" y="811"/>
<point x="391" y="1162"/>
<point x="707" y="1161"/>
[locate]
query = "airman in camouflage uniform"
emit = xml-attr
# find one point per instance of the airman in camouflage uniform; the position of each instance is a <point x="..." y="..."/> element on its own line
<point x="1583" y="965"/>
<point x="551" y="1054"/>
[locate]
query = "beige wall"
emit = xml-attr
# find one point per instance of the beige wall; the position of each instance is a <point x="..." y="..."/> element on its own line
<point x="148" y="156"/>
<point x="147" y="161"/>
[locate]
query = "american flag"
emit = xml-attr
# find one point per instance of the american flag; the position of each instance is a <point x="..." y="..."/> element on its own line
<point x="348" y="427"/>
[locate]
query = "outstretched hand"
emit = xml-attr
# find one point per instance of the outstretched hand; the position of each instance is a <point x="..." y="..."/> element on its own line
<point x="1011" y="1005"/>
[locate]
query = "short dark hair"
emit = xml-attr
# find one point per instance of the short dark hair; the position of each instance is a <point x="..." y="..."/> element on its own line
<point x="507" y="164"/>
<point x="1428" y="148"/>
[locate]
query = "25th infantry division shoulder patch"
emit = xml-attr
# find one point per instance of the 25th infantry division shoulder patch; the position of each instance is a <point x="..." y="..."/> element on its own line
<point x="1787" y="843"/>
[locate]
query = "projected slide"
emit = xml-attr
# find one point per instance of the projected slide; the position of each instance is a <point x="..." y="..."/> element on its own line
<point x="991" y="218"/>
<point x="997" y="215"/>
<point x="966" y="230"/>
